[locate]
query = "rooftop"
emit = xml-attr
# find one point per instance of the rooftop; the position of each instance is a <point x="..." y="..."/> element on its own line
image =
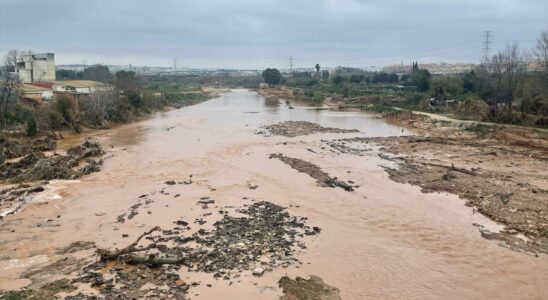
<point x="78" y="83"/>
<point x="29" y="88"/>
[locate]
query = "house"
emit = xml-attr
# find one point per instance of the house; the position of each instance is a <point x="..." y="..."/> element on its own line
<point x="36" y="67"/>
<point x="36" y="94"/>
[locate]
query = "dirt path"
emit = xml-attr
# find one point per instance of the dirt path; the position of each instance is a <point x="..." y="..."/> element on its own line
<point x="439" y="117"/>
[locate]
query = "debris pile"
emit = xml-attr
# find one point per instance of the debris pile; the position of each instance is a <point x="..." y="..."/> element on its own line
<point x="261" y="238"/>
<point x="20" y="146"/>
<point x="79" y="161"/>
<point x="297" y="128"/>
<point x="314" y="171"/>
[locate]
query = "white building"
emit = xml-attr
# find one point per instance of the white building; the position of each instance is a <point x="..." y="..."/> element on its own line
<point x="36" y="67"/>
<point x="79" y="86"/>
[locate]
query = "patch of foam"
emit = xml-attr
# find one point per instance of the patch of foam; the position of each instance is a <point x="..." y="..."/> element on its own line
<point x="51" y="191"/>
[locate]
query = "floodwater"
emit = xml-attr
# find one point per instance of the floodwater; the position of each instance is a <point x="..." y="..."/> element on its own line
<point x="385" y="240"/>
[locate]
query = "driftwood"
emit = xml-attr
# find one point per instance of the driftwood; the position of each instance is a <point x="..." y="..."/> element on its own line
<point x="463" y="170"/>
<point x="153" y="259"/>
<point x="453" y="168"/>
<point x="107" y="255"/>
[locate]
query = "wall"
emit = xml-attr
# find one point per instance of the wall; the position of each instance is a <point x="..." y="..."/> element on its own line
<point x="37" y="67"/>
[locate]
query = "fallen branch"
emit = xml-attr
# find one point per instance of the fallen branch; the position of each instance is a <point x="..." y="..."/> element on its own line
<point x="453" y="168"/>
<point x="463" y="170"/>
<point x="152" y="259"/>
<point x="107" y="255"/>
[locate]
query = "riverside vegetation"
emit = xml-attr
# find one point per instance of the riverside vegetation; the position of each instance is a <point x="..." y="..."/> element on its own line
<point x="511" y="87"/>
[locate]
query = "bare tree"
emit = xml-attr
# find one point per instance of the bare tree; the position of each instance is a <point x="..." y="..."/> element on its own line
<point x="10" y="87"/>
<point x="506" y="69"/>
<point x="99" y="105"/>
<point x="11" y="59"/>
<point x="541" y="50"/>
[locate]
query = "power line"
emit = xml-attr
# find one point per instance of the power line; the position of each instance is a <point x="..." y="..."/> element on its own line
<point x="291" y="64"/>
<point x="486" y="44"/>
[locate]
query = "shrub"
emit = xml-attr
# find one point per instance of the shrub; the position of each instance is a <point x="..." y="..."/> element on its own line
<point x="32" y="126"/>
<point x="67" y="107"/>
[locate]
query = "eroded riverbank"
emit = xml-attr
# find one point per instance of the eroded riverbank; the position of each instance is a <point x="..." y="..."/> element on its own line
<point x="373" y="240"/>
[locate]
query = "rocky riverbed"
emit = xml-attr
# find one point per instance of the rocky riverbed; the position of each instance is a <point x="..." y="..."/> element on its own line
<point x="255" y="238"/>
<point x="194" y="205"/>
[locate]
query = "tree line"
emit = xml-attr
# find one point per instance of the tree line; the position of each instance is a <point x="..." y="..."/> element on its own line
<point x="512" y="85"/>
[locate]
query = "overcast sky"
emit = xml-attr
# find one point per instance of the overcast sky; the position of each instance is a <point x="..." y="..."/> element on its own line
<point x="261" y="33"/>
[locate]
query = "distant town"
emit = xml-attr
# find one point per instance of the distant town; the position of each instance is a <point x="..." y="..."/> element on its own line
<point x="38" y="73"/>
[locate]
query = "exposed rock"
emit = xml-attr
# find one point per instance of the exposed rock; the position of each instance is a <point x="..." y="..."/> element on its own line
<point x="307" y="289"/>
<point x="258" y="271"/>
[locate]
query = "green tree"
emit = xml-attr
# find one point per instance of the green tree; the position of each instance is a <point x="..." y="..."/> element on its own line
<point x="272" y="76"/>
<point x="32" y="127"/>
<point x="98" y="73"/>
<point x="128" y="82"/>
<point x="357" y="78"/>
<point x="468" y="80"/>
<point x="392" y="77"/>
<point x="67" y="75"/>
<point x="421" y="80"/>
<point x="338" y="79"/>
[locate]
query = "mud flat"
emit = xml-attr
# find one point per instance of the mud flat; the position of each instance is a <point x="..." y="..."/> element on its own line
<point x="314" y="171"/>
<point x="190" y="205"/>
<point x="504" y="179"/>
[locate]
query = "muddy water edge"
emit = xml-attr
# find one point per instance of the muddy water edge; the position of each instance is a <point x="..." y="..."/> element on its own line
<point x="383" y="240"/>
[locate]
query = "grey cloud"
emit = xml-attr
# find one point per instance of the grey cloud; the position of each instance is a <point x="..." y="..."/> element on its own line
<point x="245" y="33"/>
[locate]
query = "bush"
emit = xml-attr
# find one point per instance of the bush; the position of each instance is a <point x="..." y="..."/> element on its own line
<point x="135" y="100"/>
<point x="67" y="108"/>
<point x="451" y="86"/>
<point x="32" y="126"/>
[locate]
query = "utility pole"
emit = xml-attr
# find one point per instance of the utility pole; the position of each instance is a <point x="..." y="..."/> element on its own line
<point x="486" y="45"/>
<point x="291" y="65"/>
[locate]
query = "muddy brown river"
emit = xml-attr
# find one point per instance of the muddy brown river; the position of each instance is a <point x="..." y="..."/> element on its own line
<point x="385" y="240"/>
